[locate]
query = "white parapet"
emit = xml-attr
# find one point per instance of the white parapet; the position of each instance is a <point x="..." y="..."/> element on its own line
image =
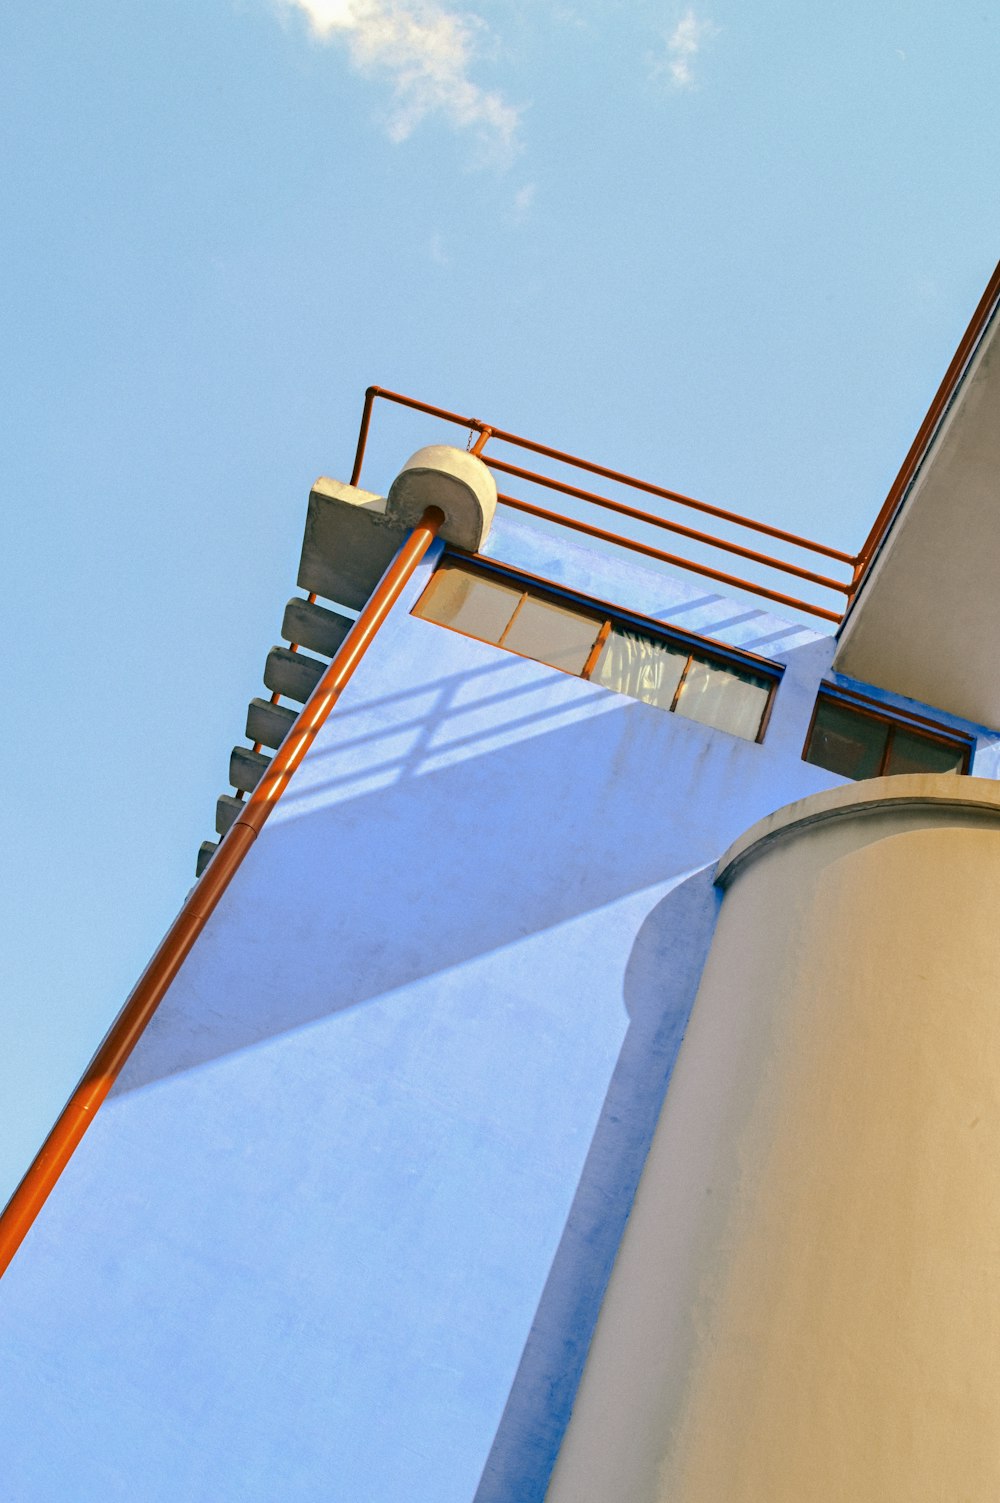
<point x="806" y="1302"/>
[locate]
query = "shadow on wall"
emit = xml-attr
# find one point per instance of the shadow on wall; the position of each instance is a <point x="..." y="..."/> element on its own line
<point x="481" y="835"/>
<point x="489" y="804"/>
<point x="661" y="980"/>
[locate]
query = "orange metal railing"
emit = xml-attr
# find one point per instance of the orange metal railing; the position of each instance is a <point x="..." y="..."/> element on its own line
<point x="489" y="433"/>
<point x="858" y="564"/>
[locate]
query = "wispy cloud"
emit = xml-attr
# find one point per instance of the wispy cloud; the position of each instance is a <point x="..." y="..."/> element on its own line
<point x="437" y="251"/>
<point x="523" y="200"/>
<point x="426" y="53"/>
<point x="683" y="45"/>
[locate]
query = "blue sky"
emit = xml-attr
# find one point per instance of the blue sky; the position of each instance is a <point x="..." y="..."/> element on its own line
<point x="729" y="247"/>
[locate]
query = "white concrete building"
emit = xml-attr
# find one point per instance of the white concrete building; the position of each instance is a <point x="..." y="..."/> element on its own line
<point x="576" y="1072"/>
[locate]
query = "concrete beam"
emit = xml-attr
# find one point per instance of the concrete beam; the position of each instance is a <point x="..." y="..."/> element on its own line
<point x="227" y="810"/>
<point x="349" y="542"/>
<point x="246" y="768"/>
<point x="267" y="723"/>
<point x="315" y="627"/>
<point x="292" y="673"/>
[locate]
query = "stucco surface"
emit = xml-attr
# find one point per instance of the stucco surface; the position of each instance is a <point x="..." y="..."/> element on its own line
<point x="342" y="1230"/>
<point x="806" y="1303"/>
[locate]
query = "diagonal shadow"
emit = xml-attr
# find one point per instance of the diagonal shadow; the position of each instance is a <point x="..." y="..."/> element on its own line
<point x="585" y="820"/>
<point x="660" y="983"/>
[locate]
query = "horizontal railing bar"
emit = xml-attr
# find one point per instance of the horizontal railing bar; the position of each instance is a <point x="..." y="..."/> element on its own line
<point x="623" y="509"/>
<point x="667" y="558"/>
<point x="561" y="457"/>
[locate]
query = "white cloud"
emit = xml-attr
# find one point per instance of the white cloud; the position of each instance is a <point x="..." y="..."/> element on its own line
<point x="437" y="250"/>
<point x="683" y="45"/>
<point x="426" y="51"/>
<point x="523" y="199"/>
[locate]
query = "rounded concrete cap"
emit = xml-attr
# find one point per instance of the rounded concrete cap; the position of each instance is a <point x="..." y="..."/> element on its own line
<point x="905" y="792"/>
<point x="457" y="482"/>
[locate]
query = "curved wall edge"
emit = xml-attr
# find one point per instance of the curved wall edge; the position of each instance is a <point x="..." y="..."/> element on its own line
<point x="939" y="791"/>
<point x="806" y="1300"/>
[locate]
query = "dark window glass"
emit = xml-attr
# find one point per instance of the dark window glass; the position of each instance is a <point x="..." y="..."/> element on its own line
<point x="724" y="698"/>
<point x="477" y="604"/>
<point x="914" y="753"/>
<point x="640" y="666"/>
<point x="552" y="634"/>
<point x="844" y="741"/>
<point x="860" y="745"/>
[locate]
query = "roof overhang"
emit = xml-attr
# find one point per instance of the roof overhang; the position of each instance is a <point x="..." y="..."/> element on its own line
<point x="925" y="621"/>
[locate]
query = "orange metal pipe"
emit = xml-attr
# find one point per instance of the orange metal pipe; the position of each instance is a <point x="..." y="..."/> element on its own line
<point x="503" y="436"/>
<point x="125" y="1032"/>
<point x="667" y="558"/>
<point x="625" y="510"/>
<point x="366" y="418"/>
<point x="942" y="397"/>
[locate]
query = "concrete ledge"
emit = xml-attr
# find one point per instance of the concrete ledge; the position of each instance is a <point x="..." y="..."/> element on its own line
<point x="246" y="768"/>
<point x="294" y="674"/>
<point x="206" y="851"/>
<point x="349" y="542"/>
<point x="227" y="810"/>
<point x="314" y="627"/>
<point x="457" y="482"/>
<point x="873" y="796"/>
<point x="267" y="723"/>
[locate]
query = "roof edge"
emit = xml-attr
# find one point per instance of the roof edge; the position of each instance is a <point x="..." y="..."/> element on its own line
<point x="986" y="308"/>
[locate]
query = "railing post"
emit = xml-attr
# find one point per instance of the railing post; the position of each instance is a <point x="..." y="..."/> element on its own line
<point x="366" y="418"/>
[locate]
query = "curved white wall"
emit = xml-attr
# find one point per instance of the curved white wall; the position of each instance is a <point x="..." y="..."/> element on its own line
<point x="806" y="1303"/>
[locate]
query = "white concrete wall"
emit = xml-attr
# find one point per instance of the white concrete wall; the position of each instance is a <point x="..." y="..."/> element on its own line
<point x="341" y="1231"/>
<point x="806" y="1303"/>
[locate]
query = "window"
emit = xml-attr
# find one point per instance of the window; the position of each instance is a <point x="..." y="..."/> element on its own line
<point x="862" y="742"/>
<point x="670" y="672"/>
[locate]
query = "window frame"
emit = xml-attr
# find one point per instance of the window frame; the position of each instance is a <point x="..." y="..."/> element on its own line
<point x="893" y="717"/>
<point x="608" y="616"/>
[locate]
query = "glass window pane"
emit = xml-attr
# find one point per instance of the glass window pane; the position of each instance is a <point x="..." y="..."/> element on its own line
<point x="640" y="666"/>
<point x="916" y="753"/>
<point x="552" y="634"/>
<point x="844" y="741"/>
<point x="720" y="697"/>
<point x="477" y="604"/>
